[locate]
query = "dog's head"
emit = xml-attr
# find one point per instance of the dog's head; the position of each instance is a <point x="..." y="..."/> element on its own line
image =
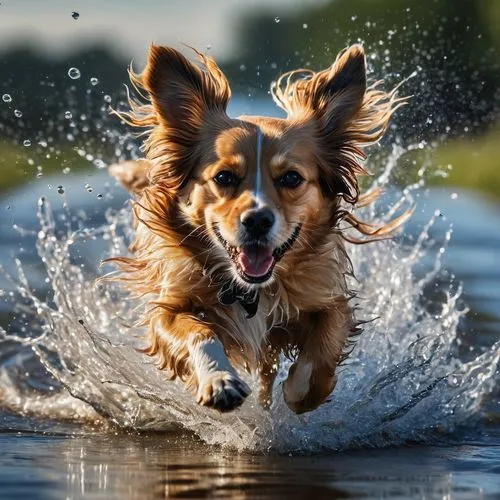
<point x="257" y="189"/>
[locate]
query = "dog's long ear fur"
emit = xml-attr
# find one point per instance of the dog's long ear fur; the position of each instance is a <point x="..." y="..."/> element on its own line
<point x="182" y="97"/>
<point x="335" y="95"/>
<point x="183" y="93"/>
<point x="347" y="116"/>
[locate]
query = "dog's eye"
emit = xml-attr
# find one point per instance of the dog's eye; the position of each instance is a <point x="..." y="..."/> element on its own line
<point x="290" y="180"/>
<point x="226" y="178"/>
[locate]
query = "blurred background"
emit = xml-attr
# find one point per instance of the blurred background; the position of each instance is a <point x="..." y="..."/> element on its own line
<point x="63" y="63"/>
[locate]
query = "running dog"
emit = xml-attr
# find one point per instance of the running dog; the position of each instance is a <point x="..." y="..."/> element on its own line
<point x="240" y="224"/>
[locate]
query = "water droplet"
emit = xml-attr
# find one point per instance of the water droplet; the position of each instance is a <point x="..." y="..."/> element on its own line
<point x="88" y="187"/>
<point x="107" y="98"/>
<point x="94" y="81"/>
<point x="209" y="46"/>
<point x="75" y="15"/>
<point x="305" y="26"/>
<point x="99" y="163"/>
<point x="39" y="175"/>
<point x="68" y="115"/>
<point x="18" y="113"/>
<point x="99" y="196"/>
<point x="60" y="189"/>
<point x="454" y="196"/>
<point x="277" y="20"/>
<point x="243" y="67"/>
<point x="6" y="98"/>
<point x="27" y="143"/>
<point x="74" y="73"/>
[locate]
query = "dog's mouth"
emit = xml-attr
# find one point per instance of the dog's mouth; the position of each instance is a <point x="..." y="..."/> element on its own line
<point x="254" y="261"/>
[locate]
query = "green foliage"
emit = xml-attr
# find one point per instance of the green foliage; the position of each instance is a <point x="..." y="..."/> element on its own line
<point x="40" y="87"/>
<point x="18" y="165"/>
<point x="475" y="163"/>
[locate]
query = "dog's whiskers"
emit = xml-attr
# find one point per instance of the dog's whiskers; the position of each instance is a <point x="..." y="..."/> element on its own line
<point x="190" y="234"/>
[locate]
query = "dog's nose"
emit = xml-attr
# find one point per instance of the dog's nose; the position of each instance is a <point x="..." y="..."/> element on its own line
<point x="258" y="222"/>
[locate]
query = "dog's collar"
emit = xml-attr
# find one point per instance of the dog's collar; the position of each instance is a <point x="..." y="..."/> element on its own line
<point x="230" y="292"/>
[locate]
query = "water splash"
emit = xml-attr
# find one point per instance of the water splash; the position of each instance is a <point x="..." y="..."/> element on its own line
<point x="74" y="73"/>
<point x="403" y="382"/>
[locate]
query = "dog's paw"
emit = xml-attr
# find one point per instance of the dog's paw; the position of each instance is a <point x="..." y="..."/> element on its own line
<point x="222" y="391"/>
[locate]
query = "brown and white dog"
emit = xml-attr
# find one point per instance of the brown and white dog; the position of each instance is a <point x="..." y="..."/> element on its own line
<point x="238" y="244"/>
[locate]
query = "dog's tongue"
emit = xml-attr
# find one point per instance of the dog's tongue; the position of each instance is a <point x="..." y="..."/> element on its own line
<point x="256" y="261"/>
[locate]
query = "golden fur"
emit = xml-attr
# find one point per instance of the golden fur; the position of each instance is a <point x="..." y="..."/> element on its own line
<point x="178" y="261"/>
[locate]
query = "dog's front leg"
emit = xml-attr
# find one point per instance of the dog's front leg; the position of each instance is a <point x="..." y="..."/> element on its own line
<point x="217" y="383"/>
<point x="312" y="377"/>
<point x="190" y="349"/>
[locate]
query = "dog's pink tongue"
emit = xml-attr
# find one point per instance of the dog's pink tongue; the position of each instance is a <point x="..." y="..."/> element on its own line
<point x="256" y="262"/>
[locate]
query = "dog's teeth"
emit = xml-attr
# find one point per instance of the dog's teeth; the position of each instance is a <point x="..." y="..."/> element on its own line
<point x="280" y="251"/>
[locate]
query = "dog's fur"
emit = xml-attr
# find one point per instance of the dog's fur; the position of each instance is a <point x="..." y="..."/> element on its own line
<point x="191" y="236"/>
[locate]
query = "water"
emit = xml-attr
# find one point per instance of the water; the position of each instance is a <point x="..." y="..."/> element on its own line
<point x="179" y="466"/>
<point x="414" y="414"/>
<point x="74" y="73"/>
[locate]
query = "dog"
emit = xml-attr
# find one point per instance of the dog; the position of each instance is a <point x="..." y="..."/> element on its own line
<point x="240" y="241"/>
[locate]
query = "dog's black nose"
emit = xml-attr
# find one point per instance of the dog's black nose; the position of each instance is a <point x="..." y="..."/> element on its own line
<point x="258" y="222"/>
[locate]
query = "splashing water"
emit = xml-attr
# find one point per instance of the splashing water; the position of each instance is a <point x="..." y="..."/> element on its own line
<point x="404" y="380"/>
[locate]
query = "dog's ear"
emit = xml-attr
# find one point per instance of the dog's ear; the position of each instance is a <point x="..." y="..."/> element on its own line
<point x="333" y="99"/>
<point x="345" y="115"/>
<point x="183" y="93"/>
<point x="336" y="95"/>
<point x="187" y="99"/>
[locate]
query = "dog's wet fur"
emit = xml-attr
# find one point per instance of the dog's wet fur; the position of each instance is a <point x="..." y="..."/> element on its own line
<point x="256" y="203"/>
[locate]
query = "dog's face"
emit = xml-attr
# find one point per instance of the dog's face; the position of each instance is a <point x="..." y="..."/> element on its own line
<point x="258" y="194"/>
<point x="259" y="189"/>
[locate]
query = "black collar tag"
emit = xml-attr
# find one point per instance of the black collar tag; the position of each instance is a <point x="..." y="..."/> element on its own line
<point x="231" y="292"/>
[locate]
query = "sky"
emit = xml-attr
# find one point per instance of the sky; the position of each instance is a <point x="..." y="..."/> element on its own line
<point x="129" y="26"/>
